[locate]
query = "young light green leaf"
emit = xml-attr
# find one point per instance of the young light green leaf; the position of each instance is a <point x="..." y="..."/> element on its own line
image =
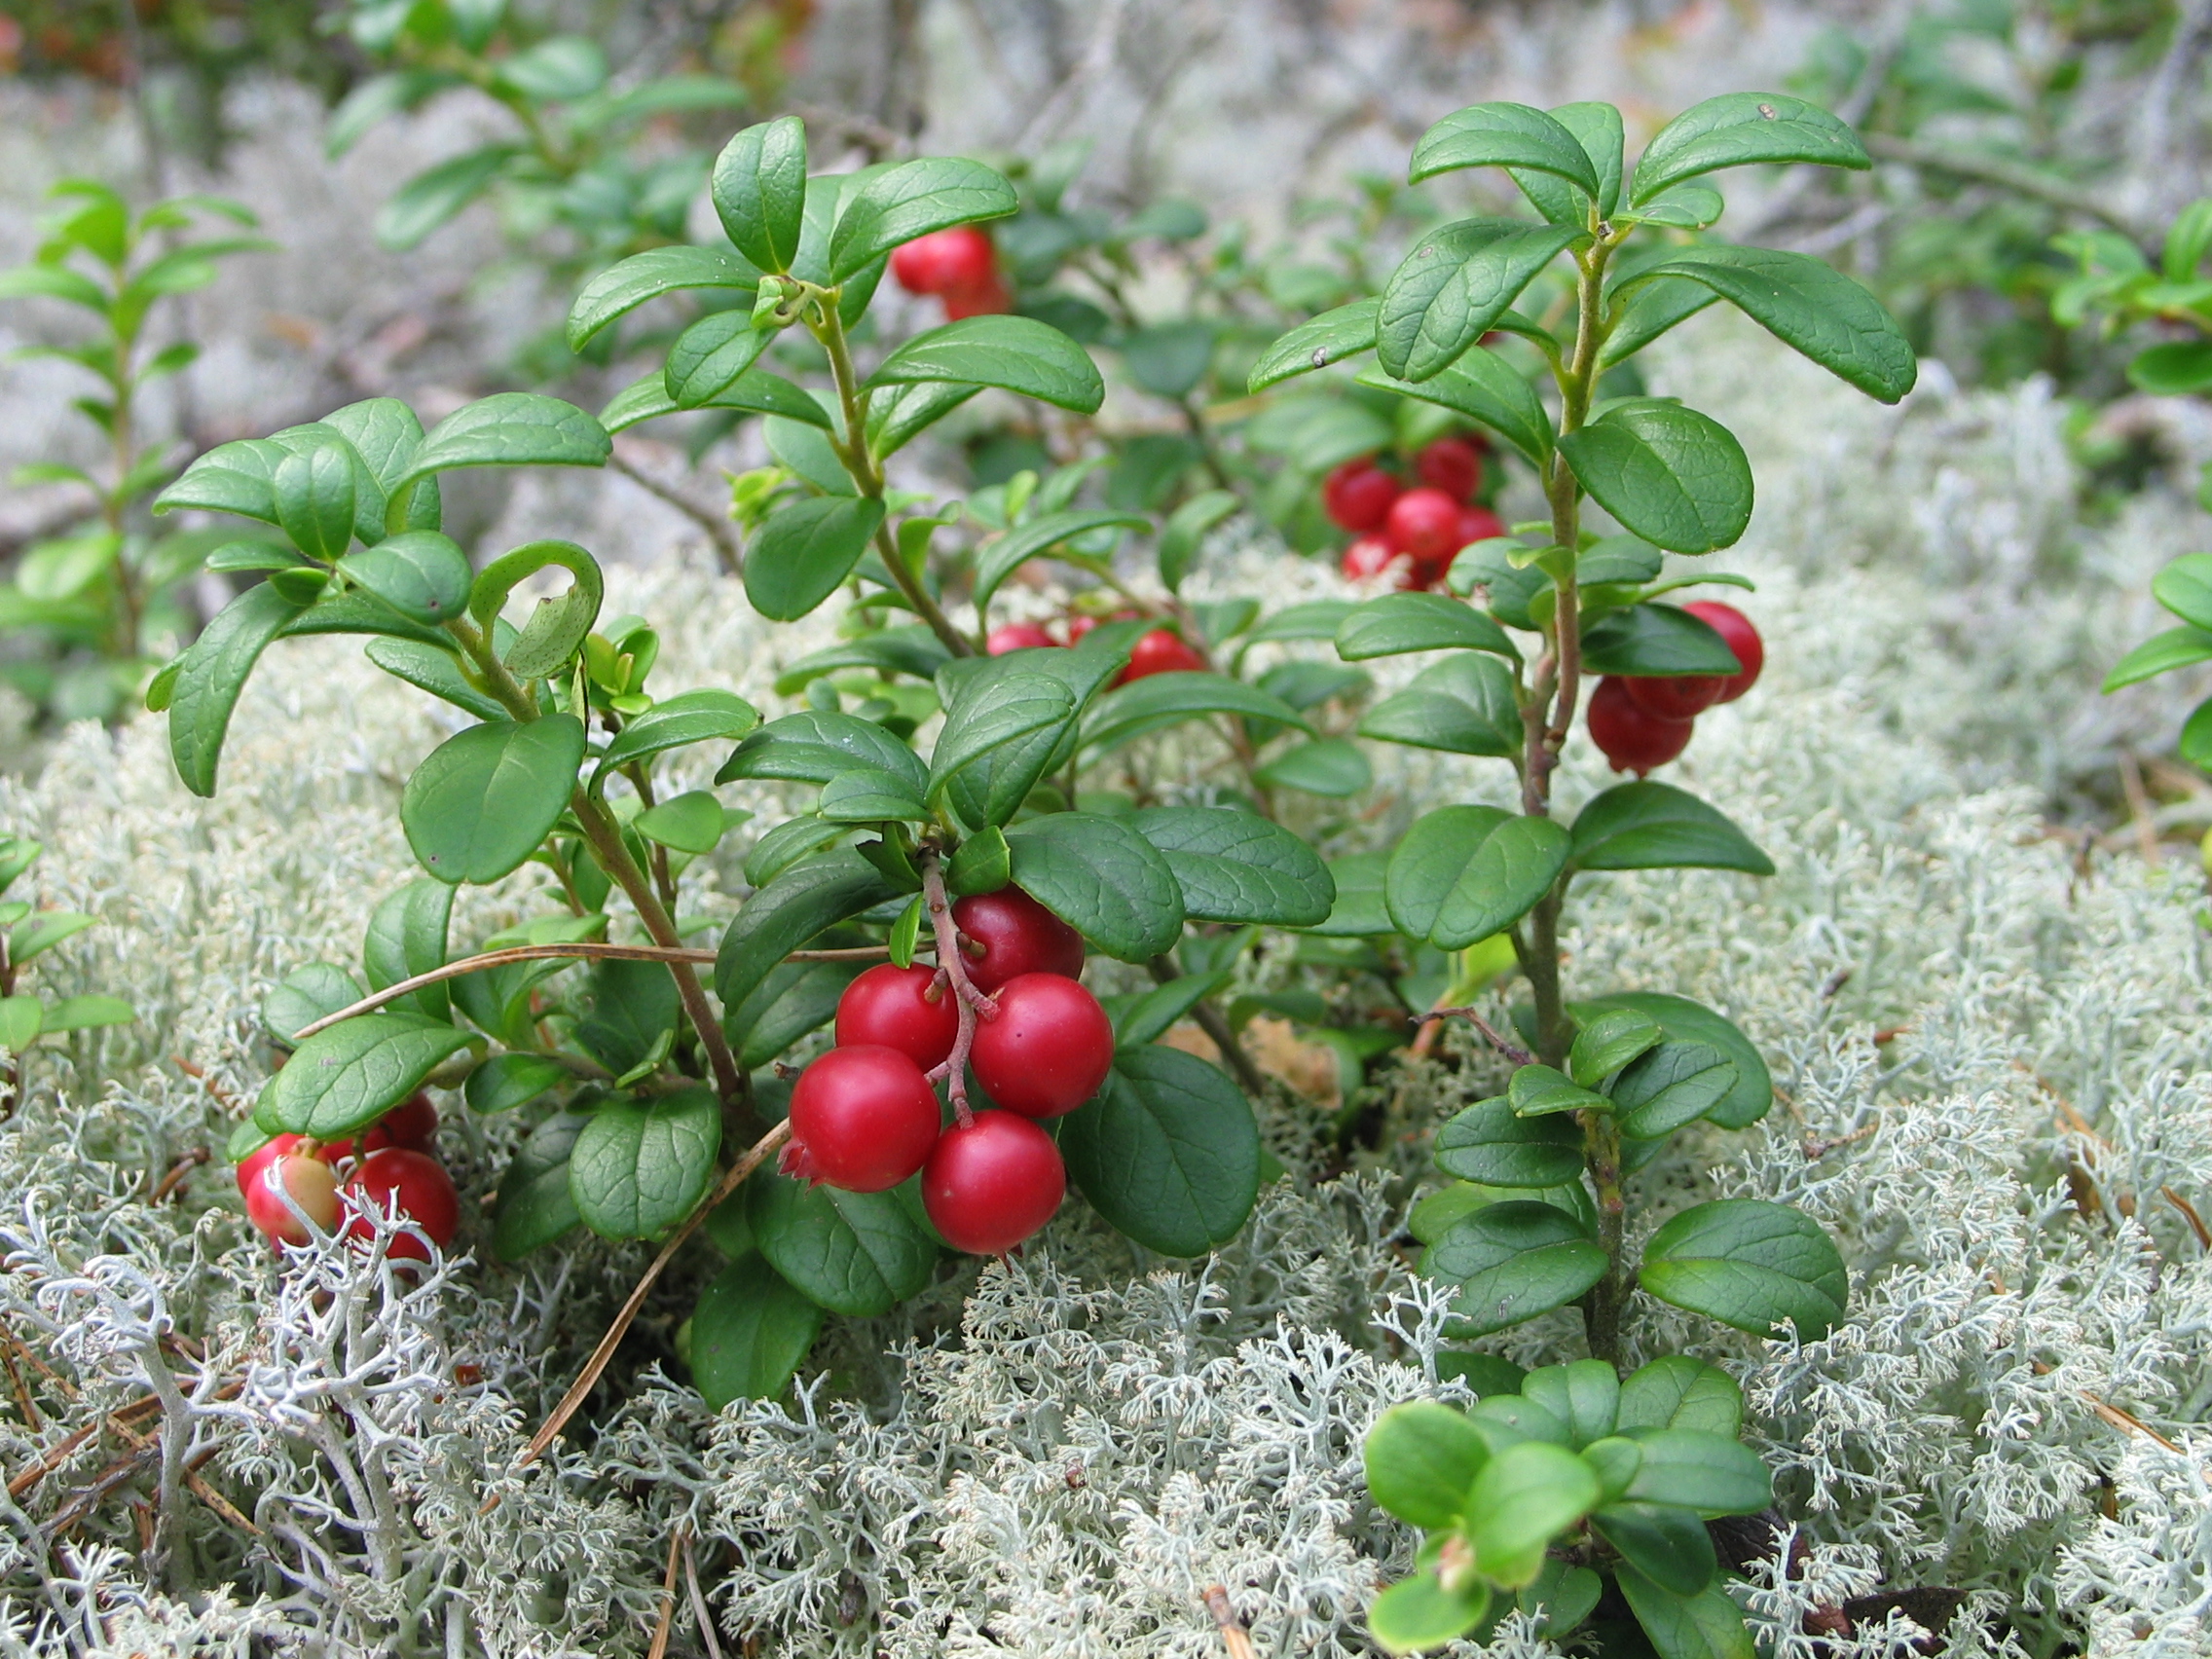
<point x="750" y="1333"/>
<point x="1329" y="338"/>
<point x="1418" y="1613"/>
<point x="510" y="428"/>
<point x="1402" y="622"/>
<point x="1670" y="1086"/>
<point x="1102" y="878"/>
<point x="346" y="1077"/>
<point x="1016" y="354"/>
<point x="1523" y="1498"/>
<point x="211" y="674"/>
<point x="42" y="930"/>
<point x="1541" y="1091"/>
<point x="1000" y="557"/>
<point x="787" y="912"/>
<point x="559" y="69"/>
<point x="1668" y="474"/>
<point x="1609" y="1041"/>
<point x="1237" y="867"/>
<point x="2161" y="653"/>
<point x="83" y="1013"/>
<point x="639" y="1167"/>
<point x="1489" y="1143"/>
<point x="1503" y="136"/>
<point x="622" y="288"/>
<point x="1421" y="1459"/>
<point x="1513" y="1261"/>
<point x="911" y="200"/>
<point x="535" y="1205"/>
<point x="1483" y="386"/>
<point x="1751" y="1265"/>
<point x="420" y="573"/>
<point x="1740" y="129"/>
<point x="1686" y="1022"/>
<point x="1455" y="284"/>
<point x="690" y="822"/>
<point x="859" y="1254"/>
<point x="1584" y="1394"/>
<point x="759" y="190"/>
<point x="710" y="355"/>
<point x="806" y="548"/>
<point x="2185" y="588"/>
<point x="1167" y="1151"/>
<point x="1463" y="705"/>
<point x="1712" y="1474"/>
<point x="22" y="1017"/>
<point x="1810" y="305"/>
<point x="481" y="802"/>
<point x="1648" y="826"/>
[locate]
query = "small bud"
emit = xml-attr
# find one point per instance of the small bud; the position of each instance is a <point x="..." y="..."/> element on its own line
<point x="769" y="300"/>
<point x="1455" y="1564"/>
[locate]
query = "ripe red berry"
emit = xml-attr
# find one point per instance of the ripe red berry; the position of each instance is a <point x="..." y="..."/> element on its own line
<point x="413" y="1122"/>
<point x="988" y="298"/>
<point x="409" y="1186"/>
<point x="1425" y="524"/>
<point x="1160" y="652"/>
<point x="863" y="1118"/>
<point x="1478" y="524"/>
<point x="311" y="1185"/>
<point x="1743" y="639"/>
<point x="900" y="1007"/>
<point x="1631" y="737"/>
<point x="1357" y="494"/>
<point x="261" y="1158"/>
<point x="992" y="1183"/>
<point x="1016" y="637"/>
<point x="1452" y="466"/>
<point x="1675" y="697"/>
<point x="1017" y="935"/>
<point x="1369" y="557"/>
<point x="942" y="261"/>
<point x="1049" y="1048"/>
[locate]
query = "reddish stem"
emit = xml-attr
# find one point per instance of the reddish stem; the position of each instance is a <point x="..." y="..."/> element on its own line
<point x="953" y="965"/>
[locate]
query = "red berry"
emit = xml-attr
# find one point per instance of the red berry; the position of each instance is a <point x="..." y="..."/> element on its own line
<point x="1452" y="466"/>
<point x="942" y="261"/>
<point x="311" y="1186"/>
<point x="1016" y="637"/>
<point x="1743" y="639"/>
<point x="1017" y="935"/>
<point x="1675" y="697"/>
<point x="1048" y="1050"/>
<point x="1357" y="494"/>
<point x="1425" y="523"/>
<point x="409" y="1186"/>
<point x="863" y="1118"/>
<point x="1632" y="738"/>
<point x="900" y="1007"/>
<point x="1369" y="557"/>
<point x="413" y="1122"/>
<point x="992" y="1183"/>
<point x="261" y="1158"/>
<point x="1478" y="524"/>
<point x="1160" y="652"/>
<point x="988" y="298"/>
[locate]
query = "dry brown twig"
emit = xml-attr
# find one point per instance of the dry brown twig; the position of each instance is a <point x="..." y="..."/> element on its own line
<point x="1234" y="1636"/>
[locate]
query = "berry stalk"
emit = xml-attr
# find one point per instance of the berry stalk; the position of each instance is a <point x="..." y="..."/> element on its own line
<point x="953" y="967"/>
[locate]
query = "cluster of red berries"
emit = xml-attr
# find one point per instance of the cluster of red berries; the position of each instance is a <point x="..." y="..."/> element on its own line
<point x="1163" y="651"/>
<point x="1418" y="532"/>
<point x="1644" y="721"/>
<point x="332" y="1185"/>
<point x="959" y="266"/>
<point x="865" y="1116"/>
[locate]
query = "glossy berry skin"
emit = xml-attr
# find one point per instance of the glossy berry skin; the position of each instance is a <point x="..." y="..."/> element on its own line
<point x="944" y="261"/>
<point x="863" y="1118"/>
<point x="1019" y="936"/>
<point x="889" y="1007"/>
<point x="251" y="1165"/>
<point x="1369" y="557"/>
<point x="1452" y="466"/>
<point x="1633" y="739"/>
<point x="1675" y="697"/>
<point x="412" y="1184"/>
<point x="1016" y="637"/>
<point x="993" y="1183"/>
<point x="1358" y="495"/>
<point x="1743" y="639"/>
<point x="312" y="1186"/>
<point x="413" y="1122"/>
<point x="1049" y="1048"/>
<point x="1160" y="652"/>
<point x="1425" y="524"/>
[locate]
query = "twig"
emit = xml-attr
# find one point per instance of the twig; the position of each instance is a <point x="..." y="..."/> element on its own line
<point x="699" y="1603"/>
<point x="222" y="1096"/>
<point x="2006" y="175"/>
<point x="717" y="528"/>
<point x="2138" y="805"/>
<point x="183" y="1166"/>
<point x="755" y="1156"/>
<point x="1511" y="1052"/>
<point x="583" y="950"/>
<point x="53" y="1461"/>
<point x="952" y="966"/>
<point x="668" y="1594"/>
<point x="1233" y="1636"/>
<point x="1217" y="1029"/>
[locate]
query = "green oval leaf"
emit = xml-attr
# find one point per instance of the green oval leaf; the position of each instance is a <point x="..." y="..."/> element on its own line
<point x="676" y="722"/>
<point x="420" y="573"/>
<point x="1670" y="1086"/>
<point x="622" y="288"/>
<point x="211" y="674"/>
<point x="2161" y="653"/>
<point x="1513" y="1261"/>
<point x="2185" y="588"/>
<point x="1463" y="705"/>
<point x="1162" y="700"/>
<point x="1483" y="386"/>
<point x="1705" y="1626"/>
<point x="987" y="717"/>
<point x="759" y="190"/>
<point x="312" y="492"/>
<point x="1742" y="129"/>
<point x="1418" y="1613"/>
<point x="1597" y="128"/>
<point x="812" y="747"/>
<point x="1584" y="1394"/>
<point x="859" y="1254"/>
<point x="510" y="428"/>
<point x="750" y="1333"/>
<point x="407" y="935"/>
<point x="711" y="355"/>
<point x="1668" y="474"/>
<point x="1810" y="306"/>
<point x="1649" y="310"/>
<point x="1016" y="354"/>
<point x="435" y="195"/>
<point x="755" y="391"/>
<point x="1712" y="1474"/>
<point x="1237" y="867"/>
<point x="535" y="1206"/>
<point x="1751" y="1265"/>
<point x="1421" y="1458"/>
<point x="911" y="200"/>
<point x="1651" y="826"/>
<point x="1503" y="136"/>
<point x="484" y="799"/>
<point x="1455" y="284"/>
<point x="1471" y="871"/>
<point x="798" y="998"/>
<point x="435" y="671"/>
<point x="789" y="911"/>
<point x="866" y="795"/>
<point x="1676" y="1391"/>
<point x="1329" y="338"/>
<point x="1102" y="878"/>
<point x="1400" y="622"/>
<point x="1655" y="640"/>
<point x="346" y="1077"/>
<point x="692" y="822"/>
<point x="507" y="1081"/>
<point x="1489" y="1143"/>
<point x="306" y="995"/>
<point x="999" y="558"/>
<point x="802" y="552"/>
<point x="1667" y="1544"/>
<point x="1524" y="1497"/>
<point x="638" y="1168"/>
<point x="1329" y="766"/>
<point x="1684" y="1020"/>
<point x="1167" y="1151"/>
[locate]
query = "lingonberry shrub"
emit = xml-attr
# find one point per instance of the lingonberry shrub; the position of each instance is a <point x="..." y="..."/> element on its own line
<point x="961" y="860"/>
<point x="1569" y="1474"/>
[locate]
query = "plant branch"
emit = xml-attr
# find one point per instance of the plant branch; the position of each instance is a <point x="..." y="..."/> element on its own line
<point x="1511" y="1052"/>
<point x="2014" y="176"/>
<point x="719" y="529"/>
<point x="755" y="1156"/>
<point x="970" y="1003"/>
<point x="1216" y="1028"/>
